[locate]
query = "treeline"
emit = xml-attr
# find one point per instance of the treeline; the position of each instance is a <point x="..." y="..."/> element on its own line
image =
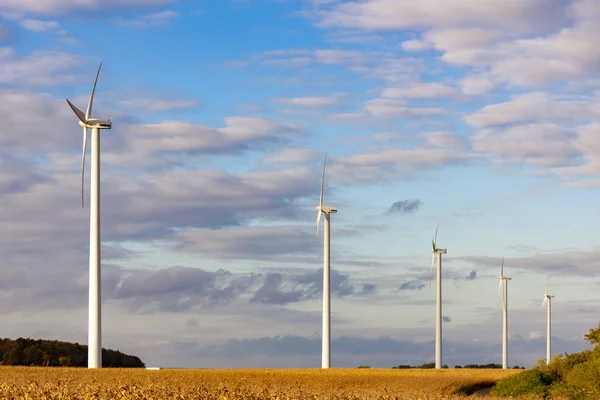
<point x="432" y="365"/>
<point x="53" y="353"/>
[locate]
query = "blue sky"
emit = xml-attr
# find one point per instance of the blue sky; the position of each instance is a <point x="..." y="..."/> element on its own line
<point x="481" y="117"/>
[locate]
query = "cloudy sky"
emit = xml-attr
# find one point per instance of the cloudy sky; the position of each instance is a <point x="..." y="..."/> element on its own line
<point x="483" y="117"/>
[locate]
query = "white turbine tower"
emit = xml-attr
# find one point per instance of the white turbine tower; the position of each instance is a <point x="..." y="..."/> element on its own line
<point x="321" y="209"/>
<point x="548" y="299"/>
<point x="504" y="282"/>
<point x="438" y="308"/>
<point x="94" y="313"/>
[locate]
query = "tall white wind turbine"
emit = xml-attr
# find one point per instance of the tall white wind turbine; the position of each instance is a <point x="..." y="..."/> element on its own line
<point x="438" y="308"/>
<point x="548" y="299"/>
<point x="326" y="336"/>
<point x="94" y="313"/>
<point x="504" y="283"/>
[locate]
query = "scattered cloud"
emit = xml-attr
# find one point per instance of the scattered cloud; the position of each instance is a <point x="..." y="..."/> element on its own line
<point x="151" y="20"/>
<point x="405" y="207"/>
<point x="293" y="155"/>
<point x="41" y="68"/>
<point x="432" y="90"/>
<point x="156" y="102"/>
<point x="36" y="25"/>
<point x="416" y="284"/>
<point x="313" y="102"/>
<point x="16" y="7"/>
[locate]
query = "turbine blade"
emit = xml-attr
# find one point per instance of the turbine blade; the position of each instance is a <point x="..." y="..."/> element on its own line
<point x="318" y="221"/>
<point x="431" y="269"/>
<point x="545" y="300"/>
<point x="547" y="275"/>
<point x="88" y="113"/>
<point x="498" y="295"/>
<point x="323" y="181"/>
<point x="502" y="266"/>
<point x="77" y="112"/>
<point x="503" y="296"/>
<point x="83" y="164"/>
<point x="435" y="237"/>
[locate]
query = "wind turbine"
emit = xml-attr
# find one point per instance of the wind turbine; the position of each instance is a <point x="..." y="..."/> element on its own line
<point x="548" y="299"/>
<point x="504" y="282"/>
<point x="321" y="209"/>
<point x="438" y="308"/>
<point x="94" y="313"/>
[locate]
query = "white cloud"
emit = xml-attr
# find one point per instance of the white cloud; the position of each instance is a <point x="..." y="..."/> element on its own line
<point x="36" y="25"/>
<point x="16" y="7"/>
<point x="525" y="43"/>
<point x="41" y="68"/>
<point x="150" y="101"/>
<point x="398" y="108"/>
<point x="142" y="143"/>
<point x="151" y="20"/>
<point x="538" y="144"/>
<point x="420" y="90"/>
<point x="312" y="102"/>
<point x="415" y="45"/>
<point x="475" y="85"/>
<point x="443" y="139"/>
<point x="293" y="155"/>
<point x="402" y="14"/>
<point x="535" y="106"/>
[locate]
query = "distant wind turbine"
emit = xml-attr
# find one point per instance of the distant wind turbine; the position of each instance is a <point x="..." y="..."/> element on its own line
<point x="548" y="299"/>
<point x="504" y="282"/>
<point x="321" y="209"/>
<point x="438" y="315"/>
<point x="94" y="313"/>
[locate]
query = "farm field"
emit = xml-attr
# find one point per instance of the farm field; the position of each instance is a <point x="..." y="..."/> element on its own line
<point x="71" y="383"/>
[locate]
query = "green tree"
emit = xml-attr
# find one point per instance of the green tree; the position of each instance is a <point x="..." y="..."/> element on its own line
<point x="593" y="336"/>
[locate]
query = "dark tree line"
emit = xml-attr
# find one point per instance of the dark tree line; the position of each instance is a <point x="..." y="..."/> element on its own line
<point x="53" y="353"/>
<point x="432" y="365"/>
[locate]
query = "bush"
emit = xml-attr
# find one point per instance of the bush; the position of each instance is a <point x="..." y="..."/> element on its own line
<point x="532" y="383"/>
<point x="561" y="390"/>
<point x="560" y="366"/>
<point x="585" y="378"/>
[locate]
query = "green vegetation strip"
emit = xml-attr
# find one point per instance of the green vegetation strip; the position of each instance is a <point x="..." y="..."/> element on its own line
<point x="570" y="376"/>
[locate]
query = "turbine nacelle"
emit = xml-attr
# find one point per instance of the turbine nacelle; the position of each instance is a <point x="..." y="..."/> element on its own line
<point x="96" y="123"/>
<point x="327" y="209"/>
<point x="87" y="122"/>
<point x="438" y="251"/>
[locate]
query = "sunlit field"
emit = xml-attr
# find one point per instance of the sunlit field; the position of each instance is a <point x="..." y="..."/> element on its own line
<point x="71" y="383"/>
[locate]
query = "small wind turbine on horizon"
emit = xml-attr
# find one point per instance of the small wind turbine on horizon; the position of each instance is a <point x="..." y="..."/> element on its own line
<point x="548" y="299"/>
<point x="504" y="282"/>
<point x="94" y="313"/>
<point x="438" y="308"/>
<point x="326" y="333"/>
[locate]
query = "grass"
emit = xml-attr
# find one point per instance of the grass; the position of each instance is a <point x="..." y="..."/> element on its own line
<point x="301" y="384"/>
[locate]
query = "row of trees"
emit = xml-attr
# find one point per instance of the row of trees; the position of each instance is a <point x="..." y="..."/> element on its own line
<point x="53" y="353"/>
<point x="432" y="365"/>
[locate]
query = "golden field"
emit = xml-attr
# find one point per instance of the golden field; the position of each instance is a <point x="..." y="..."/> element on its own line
<point x="70" y="383"/>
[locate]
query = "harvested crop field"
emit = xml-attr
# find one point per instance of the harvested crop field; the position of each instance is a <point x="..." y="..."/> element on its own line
<point x="71" y="383"/>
